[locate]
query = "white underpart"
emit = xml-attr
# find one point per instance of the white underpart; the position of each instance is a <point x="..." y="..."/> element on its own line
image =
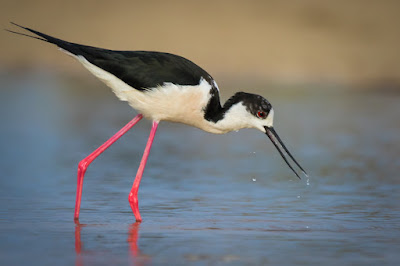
<point x="177" y="103"/>
<point x="119" y="87"/>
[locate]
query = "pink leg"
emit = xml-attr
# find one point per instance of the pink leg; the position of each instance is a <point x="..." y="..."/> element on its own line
<point x="133" y="200"/>
<point x="85" y="162"/>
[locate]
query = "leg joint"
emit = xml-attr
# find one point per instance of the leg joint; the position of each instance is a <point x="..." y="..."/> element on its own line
<point x="133" y="198"/>
<point x="83" y="165"/>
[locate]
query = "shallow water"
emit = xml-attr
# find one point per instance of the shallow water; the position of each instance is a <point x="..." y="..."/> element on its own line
<point x="204" y="199"/>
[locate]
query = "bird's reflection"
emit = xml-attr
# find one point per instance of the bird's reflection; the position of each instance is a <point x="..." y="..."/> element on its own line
<point x="133" y="237"/>
<point x="78" y="243"/>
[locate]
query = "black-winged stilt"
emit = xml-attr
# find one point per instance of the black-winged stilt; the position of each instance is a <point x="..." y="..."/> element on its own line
<point x="166" y="87"/>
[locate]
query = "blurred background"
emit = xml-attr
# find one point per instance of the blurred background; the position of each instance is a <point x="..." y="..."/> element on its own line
<point x="239" y="42"/>
<point x="331" y="69"/>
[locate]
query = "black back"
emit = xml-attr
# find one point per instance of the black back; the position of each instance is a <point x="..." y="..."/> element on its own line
<point x="139" y="69"/>
<point x="142" y="70"/>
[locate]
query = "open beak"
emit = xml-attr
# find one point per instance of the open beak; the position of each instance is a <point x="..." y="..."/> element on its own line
<point x="276" y="140"/>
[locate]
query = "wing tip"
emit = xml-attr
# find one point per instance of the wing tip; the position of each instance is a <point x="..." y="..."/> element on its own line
<point x="24" y="34"/>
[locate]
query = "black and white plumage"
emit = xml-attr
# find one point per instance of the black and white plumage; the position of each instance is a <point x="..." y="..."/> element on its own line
<point x="172" y="87"/>
<point x="168" y="87"/>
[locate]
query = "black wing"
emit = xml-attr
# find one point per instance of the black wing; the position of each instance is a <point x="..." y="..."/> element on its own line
<point x="139" y="69"/>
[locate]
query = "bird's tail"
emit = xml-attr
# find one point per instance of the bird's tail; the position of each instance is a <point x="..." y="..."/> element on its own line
<point x="40" y="36"/>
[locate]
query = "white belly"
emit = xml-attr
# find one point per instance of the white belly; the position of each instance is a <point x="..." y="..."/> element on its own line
<point x="183" y="104"/>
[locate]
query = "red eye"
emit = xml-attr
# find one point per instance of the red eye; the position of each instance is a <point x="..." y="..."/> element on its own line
<point x="261" y="114"/>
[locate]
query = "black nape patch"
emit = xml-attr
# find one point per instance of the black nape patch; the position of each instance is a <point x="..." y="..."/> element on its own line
<point x="213" y="111"/>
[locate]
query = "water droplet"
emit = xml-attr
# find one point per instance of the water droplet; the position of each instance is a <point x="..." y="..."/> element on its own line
<point x="298" y="197"/>
<point x="254" y="152"/>
<point x="307" y="227"/>
<point x="254" y="180"/>
<point x="308" y="181"/>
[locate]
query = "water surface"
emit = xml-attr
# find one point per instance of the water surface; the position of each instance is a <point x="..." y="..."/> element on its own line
<point x="204" y="199"/>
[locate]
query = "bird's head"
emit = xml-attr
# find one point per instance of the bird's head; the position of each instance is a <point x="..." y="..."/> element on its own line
<point x="246" y="110"/>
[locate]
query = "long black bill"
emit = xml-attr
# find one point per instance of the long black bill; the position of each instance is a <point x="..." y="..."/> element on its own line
<point x="276" y="140"/>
